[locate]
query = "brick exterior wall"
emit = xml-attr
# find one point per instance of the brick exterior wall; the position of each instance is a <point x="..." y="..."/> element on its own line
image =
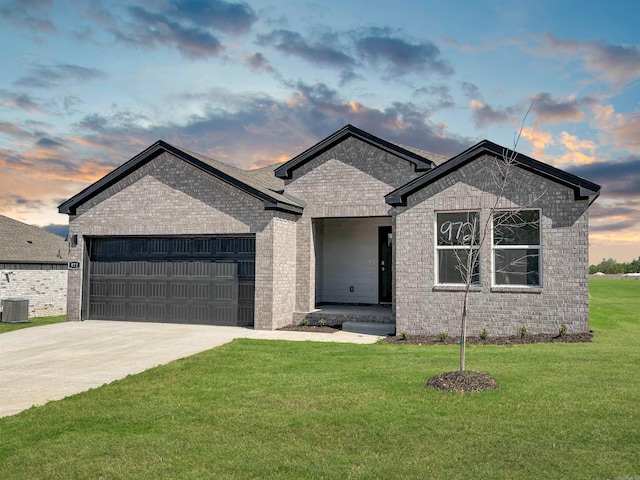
<point x="45" y="289"/>
<point x="284" y="271"/>
<point x="423" y="308"/>
<point x="167" y="196"/>
<point x="170" y="197"/>
<point x="275" y="273"/>
<point x="305" y="265"/>
<point x="348" y="180"/>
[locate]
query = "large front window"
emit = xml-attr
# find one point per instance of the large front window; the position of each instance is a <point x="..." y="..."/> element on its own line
<point x="516" y="248"/>
<point x="457" y="239"/>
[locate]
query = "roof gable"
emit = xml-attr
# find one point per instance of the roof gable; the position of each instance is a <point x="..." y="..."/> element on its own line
<point x="583" y="189"/>
<point x="22" y="243"/>
<point x="420" y="163"/>
<point x="243" y="180"/>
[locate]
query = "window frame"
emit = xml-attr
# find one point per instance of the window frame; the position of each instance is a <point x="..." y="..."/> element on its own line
<point x="438" y="248"/>
<point x="495" y="248"/>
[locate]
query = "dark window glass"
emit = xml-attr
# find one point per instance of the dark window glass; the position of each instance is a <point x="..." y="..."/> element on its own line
<point x="456" y="229"/>
<point x="517" y="266"/>
<point x="516" y="228"/>
<point x="452" y="267"/>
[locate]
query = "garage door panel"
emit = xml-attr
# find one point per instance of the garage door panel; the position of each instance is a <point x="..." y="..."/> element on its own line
<point x="136" y="269"/>
<point x="180" y="269"/>
<point x="245" y="316"/>
<point x="108" y="309"/>
<point x="97" y="309"/>
<point x="99" y="288"/>
<point x="157" y="312"/>
<point x="200" y="313"/>
<point x="137" y="289"/>
<point x="137" y="311"/>
<point x="201" y="291"/>
<point x="179" y="291"/>
<point x="157" y="290"/>
<point x="179" y="312"/>
<point x="186" y="280"/>
<point x="118" y="290"/>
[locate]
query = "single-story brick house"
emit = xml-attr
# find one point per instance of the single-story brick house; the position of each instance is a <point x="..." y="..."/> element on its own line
<point x="33" y="265"/>
<point x="175" y="236"/>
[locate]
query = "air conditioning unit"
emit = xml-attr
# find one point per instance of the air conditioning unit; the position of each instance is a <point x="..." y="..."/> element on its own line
<point x="15" y="310"/>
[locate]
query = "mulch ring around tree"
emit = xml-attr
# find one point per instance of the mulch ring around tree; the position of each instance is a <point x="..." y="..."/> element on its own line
<point x="510" y="340"/>
<point x="463" y="382"/>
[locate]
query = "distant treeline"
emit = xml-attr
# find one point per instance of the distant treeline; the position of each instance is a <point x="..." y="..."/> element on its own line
<point x="610" y="266"/>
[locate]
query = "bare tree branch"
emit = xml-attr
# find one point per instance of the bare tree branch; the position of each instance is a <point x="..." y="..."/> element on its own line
<point x="507" y="222"/>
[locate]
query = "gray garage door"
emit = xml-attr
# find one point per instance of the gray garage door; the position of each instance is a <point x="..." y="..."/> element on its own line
<point x="208" y="280"/>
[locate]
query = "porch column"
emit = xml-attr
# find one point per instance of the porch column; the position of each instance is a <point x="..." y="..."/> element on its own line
<point x="306" y="266"/>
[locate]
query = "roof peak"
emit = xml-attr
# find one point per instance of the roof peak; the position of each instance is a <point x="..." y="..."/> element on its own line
<point x="583" y="188"/>
<point x="221" y="170"/>
<point x="421" y="163"/>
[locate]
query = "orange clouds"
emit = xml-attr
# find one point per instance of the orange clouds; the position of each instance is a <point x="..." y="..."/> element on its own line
<point x="575" y="158"/>
<point x="539" y="139"/>
<point x="572" y="143"/>
<point x="576" y="154"/>
<point x="355" y="107"/>
<point x="576" y="151"/>
<point x="622" y="128"/>
<point x="108" y="142"/>
<point x="265" y="162"/>
<point x="40" y="173"/>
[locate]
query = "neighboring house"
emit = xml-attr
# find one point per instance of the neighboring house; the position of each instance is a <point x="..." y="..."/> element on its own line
<point x="174" y="236"/>
<point x="33" y="265"/>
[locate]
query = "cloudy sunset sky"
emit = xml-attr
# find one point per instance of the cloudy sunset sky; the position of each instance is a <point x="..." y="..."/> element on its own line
<point x="86" y="85"/>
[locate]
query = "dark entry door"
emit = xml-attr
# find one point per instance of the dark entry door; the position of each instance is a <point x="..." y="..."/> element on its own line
<point x="209" y="280"/>
<point x="385" y="240"/>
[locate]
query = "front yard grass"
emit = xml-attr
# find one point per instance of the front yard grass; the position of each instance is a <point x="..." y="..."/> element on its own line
<point x="269" y="409"/>
<point x="33" y="322"/>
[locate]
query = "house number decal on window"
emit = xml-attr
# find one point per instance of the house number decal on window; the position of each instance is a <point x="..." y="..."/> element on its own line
<point x="74" y="265"/>
<point x="447" y="228"/>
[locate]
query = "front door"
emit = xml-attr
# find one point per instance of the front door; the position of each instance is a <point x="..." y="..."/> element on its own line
<point x="385" y="240"/>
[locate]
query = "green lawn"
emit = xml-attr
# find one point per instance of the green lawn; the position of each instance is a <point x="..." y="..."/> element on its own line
<point x="267" y="409"/>
<point x="33" y="322"/>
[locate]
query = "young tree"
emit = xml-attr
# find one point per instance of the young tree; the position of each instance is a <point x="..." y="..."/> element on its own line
<point x="468" y="236"/>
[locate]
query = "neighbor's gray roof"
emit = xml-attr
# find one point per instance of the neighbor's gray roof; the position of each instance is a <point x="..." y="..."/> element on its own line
<point x="256" y="185"/>
<point x="22" y="243"/>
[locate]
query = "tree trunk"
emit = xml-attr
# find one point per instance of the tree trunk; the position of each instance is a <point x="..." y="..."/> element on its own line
<point x="463" y="332"/>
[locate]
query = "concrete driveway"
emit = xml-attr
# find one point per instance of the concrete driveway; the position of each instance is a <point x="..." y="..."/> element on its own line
<point x="51" y="362"/>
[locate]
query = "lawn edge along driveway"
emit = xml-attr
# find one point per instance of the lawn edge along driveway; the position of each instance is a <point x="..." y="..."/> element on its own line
<point x="52" y="362"/>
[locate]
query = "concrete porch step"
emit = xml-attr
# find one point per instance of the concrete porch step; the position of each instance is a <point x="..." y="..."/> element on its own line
<point x="369" y="328"/>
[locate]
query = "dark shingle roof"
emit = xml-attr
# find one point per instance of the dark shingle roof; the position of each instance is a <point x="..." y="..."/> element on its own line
<point x="583" y="189"/>
<point x="265" y="182"/>
<point x="22" y="243"/>
<point x="267" y="176"/>
<point x="253" y="185"/>
<point x="434" y="157"/>
<point x="421" y="163"/>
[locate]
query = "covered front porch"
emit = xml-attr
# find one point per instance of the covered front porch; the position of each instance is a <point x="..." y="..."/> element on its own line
<point x="353" y="272"/>
<point x="353" y="261"/>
